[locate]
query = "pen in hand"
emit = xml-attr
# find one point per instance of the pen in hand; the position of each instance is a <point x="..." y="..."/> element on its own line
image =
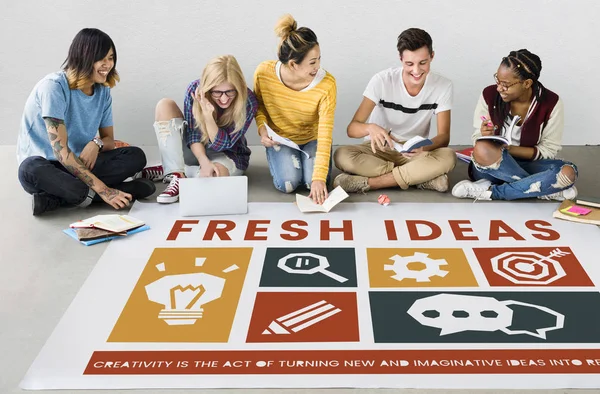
<point x="389" y="133"/>
<point x="489" y="122"/>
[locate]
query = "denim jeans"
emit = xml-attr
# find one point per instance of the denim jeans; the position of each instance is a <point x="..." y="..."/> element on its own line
<point x="291" y="168"/>
<point x="513" y="178"/>
<point x="38" y="174"/>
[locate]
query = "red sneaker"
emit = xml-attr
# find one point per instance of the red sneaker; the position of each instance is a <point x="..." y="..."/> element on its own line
<point x="154" y="173"/>
<point x="171" y="193"/>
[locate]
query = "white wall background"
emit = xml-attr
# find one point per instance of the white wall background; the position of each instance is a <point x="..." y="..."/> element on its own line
<point x="163" y="45"/>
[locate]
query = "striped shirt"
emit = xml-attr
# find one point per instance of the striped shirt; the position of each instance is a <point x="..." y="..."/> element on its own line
<point x="301" y="116"/>
<point x="233" y="145"/>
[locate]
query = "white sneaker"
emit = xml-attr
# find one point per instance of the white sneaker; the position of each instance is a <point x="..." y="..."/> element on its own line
<point x="171" y="193"/>
<point x="477" y="190"/>
<point x="567" y="194"/>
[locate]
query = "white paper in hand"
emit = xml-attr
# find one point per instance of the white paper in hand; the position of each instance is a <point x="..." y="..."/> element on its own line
<point x="283" y="141"/>
<point x="306" y="204"/>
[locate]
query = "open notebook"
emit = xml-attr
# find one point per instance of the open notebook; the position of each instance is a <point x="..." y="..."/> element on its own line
<point x="506" y="133"/>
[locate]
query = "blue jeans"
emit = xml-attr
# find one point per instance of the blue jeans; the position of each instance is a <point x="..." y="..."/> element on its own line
<point x="40" y="175"/>
<point x="514" y="178"/>
<point x="290" y="168"/>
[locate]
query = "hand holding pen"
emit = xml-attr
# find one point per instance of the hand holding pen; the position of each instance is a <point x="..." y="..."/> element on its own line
<point x="380" y="138"/>
<point x="487" y="127"/>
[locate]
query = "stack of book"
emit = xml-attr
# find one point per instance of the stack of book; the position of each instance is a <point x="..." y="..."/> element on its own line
<point x="102" y="228"/>
<point x="584" y="210"/>
<point x="464" y="154"/>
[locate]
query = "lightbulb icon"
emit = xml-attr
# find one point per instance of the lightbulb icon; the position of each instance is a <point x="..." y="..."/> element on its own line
<point x="184" y="295"/>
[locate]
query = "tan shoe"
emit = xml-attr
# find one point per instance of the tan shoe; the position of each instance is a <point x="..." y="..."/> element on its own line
<point x="439" y="184"/>
<point x="352" y="183"/>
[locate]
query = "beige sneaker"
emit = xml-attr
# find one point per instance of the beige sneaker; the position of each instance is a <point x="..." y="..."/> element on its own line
<point x="439" y="184"/>
<point x="352" y="183"/>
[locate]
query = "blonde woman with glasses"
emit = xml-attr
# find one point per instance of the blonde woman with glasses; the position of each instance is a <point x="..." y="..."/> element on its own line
<point x="210" y="133"/>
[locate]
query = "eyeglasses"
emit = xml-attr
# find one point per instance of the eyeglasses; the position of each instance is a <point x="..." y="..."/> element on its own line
<point x="217" y="94"/>
<point x="504" y="85"/>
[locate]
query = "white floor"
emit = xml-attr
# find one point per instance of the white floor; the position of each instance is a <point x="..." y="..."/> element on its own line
<point x="42" y="271"/>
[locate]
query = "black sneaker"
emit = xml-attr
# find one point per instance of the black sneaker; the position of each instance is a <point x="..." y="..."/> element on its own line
<point x="138" y="188"/>
<point x="43" y="202"/>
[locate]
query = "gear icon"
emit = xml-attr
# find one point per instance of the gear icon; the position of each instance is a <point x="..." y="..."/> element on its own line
<point x="401" y="270"/>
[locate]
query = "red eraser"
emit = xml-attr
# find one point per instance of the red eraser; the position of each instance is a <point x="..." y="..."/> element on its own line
<point x="383" y="200"/>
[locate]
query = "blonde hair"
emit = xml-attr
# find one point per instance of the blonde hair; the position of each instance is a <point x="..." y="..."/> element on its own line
<point x="219" y="70"/>
<point x="294" y="43"/>
<point x="77" y="80"/>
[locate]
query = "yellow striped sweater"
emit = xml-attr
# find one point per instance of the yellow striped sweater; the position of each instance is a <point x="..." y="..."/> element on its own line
<point x="301" y="116"/>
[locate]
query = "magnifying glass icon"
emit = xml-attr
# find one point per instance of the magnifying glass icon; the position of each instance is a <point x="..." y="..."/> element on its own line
<point x="307" y="264"/>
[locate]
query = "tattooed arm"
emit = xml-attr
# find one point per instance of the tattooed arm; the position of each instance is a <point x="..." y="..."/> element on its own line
<point x="57" y="133"/>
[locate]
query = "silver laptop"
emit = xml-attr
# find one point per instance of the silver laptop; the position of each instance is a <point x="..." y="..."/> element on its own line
<point x="226" y="195"/>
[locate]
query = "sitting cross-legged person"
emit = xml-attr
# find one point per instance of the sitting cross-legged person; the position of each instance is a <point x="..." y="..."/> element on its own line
<point x="531" y="117"/>
<point x="66" y="148"/>
<point x="398" y="105"/>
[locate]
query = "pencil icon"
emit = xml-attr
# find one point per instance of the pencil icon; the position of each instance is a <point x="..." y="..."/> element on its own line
<point x="302" y="318"/>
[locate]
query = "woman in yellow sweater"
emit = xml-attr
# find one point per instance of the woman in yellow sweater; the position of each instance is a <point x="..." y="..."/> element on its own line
<point x="296" y="99"/>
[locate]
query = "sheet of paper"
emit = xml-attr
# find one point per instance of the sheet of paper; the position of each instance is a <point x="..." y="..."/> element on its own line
<point x="336" y="196"/>
<point x="283" y="141"/>
<point x="306" y="204"/>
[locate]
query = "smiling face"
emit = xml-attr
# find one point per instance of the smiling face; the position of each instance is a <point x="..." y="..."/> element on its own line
<point x="223" y="94"/>
<point x="415" y="66"/>
<point x="308" y="68"/>
<point x="103" y="66"/>
<point x="509" y="86"/>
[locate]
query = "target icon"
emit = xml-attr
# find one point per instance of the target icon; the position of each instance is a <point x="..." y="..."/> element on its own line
<point x="529" y="268"/>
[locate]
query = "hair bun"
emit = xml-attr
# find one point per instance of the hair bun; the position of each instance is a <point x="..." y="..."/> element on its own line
<point x="285" y="25"/>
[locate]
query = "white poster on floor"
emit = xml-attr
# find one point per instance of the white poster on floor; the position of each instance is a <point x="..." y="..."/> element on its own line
<point x="487" y="295"/>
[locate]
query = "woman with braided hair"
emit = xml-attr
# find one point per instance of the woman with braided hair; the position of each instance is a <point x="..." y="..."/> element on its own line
<point x="531" y="117"/>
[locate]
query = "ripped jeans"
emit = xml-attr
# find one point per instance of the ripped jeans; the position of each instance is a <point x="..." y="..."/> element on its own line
<point x="291" y="168"/>
<point x="515" y="179"/>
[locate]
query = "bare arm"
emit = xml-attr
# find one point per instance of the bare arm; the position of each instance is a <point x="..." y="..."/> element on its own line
<point x="521" y="152"/>
<point x="107" y="137"/>
<point x="358" y="127"/>
<point x="442" y="139"/>
<point x="57" y="133"/>
<point x="199" y="150"/>
<point x="207" y="168"/>
<point x="89" y="154"/>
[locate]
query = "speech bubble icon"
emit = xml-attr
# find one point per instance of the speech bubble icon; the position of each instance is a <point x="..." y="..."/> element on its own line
<point x="307" y="264"/>
<point x="539" y="332"/>
<point x="457" y="313"/>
